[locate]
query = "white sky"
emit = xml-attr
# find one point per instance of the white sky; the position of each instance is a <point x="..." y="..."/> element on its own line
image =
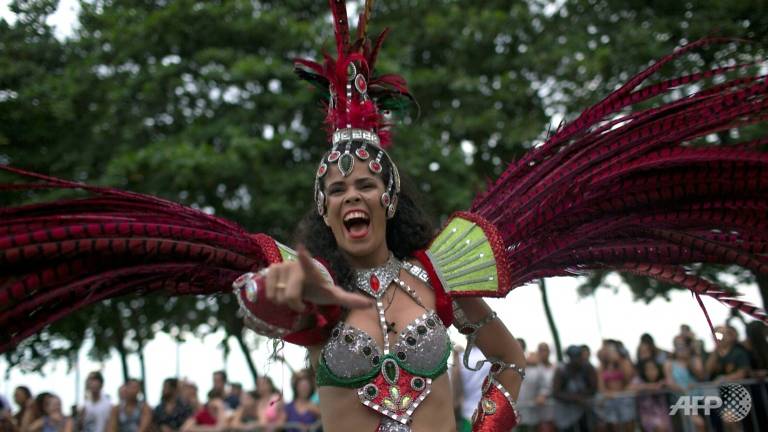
<point x="62" y="20"/>
<point x="588" y="320"/>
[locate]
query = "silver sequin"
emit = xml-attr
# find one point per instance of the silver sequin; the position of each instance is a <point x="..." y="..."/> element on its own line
<point x="422" y="344"/>
<point x="428" y="351"/>
<point x="389" y="425"/>
<point x="347" y="359"/>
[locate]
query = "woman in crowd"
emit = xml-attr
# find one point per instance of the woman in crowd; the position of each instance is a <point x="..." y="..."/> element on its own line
<point x="270" y="407"/>
<point x="23" y="398"/>
<point x="647" y="350"/>
<point x="172" y="412"/>
<point x="246" y="416"/>
<point x="211" y="417"/>
<point x="53" y="419"/>
<point x="188" y="394"/>
<point x="651" y="400"/>
<point x="301" y="410"/>
<point x="683" y="371"/>
<point x="131" y="414"/>
<point x="614" y="407"/>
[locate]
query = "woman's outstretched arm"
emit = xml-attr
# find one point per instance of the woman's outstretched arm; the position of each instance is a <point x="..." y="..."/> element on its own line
<point x="497" y="409"/>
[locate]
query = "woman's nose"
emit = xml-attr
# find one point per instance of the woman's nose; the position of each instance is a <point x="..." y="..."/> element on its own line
<point x="353" y="197"/>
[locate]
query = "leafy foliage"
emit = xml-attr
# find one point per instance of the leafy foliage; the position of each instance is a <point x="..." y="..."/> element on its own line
<point x="196" y="101"/>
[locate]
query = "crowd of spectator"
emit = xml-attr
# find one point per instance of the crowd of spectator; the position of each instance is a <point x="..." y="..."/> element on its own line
<point x="616" y="393"/>
<point x="226" y="407"/>
<point x="619" y="394"/>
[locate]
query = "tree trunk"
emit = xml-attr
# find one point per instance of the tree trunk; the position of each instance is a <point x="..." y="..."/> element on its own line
<point x="551" y="321"/>
<point x="762" y="285"/>
<point x="120" y="341"/>
<point x="247" y="355"/>
<point x="142" y="365"/>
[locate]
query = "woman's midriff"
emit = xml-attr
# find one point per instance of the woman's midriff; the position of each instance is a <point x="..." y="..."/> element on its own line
<point x="342" y="411"/>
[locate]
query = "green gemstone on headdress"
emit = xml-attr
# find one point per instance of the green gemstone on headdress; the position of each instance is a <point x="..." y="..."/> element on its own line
<point x="346" y="162"/>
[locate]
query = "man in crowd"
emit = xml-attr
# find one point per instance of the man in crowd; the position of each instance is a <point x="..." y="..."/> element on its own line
<point x="220" y="383"/>
<point x="526" y="401"/>
<point x="543" y="397"/>
<point x="728" y="362"/>
<point x="573" y="387"/>
<point x="94" y="415"/>
<point x="232" y="400"/>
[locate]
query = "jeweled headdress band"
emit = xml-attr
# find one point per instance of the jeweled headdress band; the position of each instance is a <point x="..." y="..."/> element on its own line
<point x="355" y="98"/>
<point x="345" y="162"/>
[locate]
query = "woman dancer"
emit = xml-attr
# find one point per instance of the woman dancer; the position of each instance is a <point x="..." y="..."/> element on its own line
<point x="604" y="192"/>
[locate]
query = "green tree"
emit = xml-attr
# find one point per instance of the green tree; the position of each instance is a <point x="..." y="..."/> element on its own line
<point x="592" y="46"/>
<point x="196" y="101"/>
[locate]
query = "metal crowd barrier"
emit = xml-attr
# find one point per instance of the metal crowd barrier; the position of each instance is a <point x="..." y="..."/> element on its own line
<point x="289" y="426"/>
<point x="597" y="411"/>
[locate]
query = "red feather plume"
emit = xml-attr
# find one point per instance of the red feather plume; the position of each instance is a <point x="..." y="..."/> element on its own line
<point x="350" y="108"/>
<point x="58" y="257"/>
<point x="633" y="189"/>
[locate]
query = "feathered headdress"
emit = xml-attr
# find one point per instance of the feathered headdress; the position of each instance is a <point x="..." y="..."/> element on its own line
<point x="357" y="101"/>
<point x="357" y="98"/>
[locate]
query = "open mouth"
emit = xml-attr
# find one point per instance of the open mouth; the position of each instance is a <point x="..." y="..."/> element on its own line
<point x="357" y="222"/>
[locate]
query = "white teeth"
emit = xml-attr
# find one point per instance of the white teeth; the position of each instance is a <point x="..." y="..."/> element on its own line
<point x="355" y="215"/>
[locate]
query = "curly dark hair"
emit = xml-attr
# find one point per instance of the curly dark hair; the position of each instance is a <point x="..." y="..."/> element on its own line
<point x="756" y="334"/>
<point x="644" y="376"/>
<point x="408" y="231"/>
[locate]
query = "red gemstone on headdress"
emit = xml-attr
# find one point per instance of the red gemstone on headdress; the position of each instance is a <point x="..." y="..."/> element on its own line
<point x="362" y="153"/>
<point x="360" y="83"/>
<point x="375" y="167"/>
<point x="375" y="284"/>
<point x="334" y="156"/>
<point x="321" y="170"/>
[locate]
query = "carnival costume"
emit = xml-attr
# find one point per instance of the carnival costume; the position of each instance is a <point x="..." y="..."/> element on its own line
<point x="619" y="188"/>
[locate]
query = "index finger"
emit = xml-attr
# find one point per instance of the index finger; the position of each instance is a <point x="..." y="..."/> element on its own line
<point x="308" y="265"/>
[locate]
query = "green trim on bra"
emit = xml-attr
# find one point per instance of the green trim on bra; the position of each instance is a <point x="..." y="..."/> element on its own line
<point x="325" y="377"/>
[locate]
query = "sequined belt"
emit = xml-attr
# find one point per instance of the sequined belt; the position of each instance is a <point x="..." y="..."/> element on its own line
<point x="389" y="425"/>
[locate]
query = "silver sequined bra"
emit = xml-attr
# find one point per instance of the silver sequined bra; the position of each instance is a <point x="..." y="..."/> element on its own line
<point x="351" y="357"/>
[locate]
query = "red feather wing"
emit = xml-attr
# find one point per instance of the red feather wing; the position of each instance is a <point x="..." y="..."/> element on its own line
<point x="636" y="188"/>
<point x="58" y="257"/>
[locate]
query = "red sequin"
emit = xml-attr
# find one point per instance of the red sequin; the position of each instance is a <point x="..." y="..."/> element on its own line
<point x="498" y="414"/>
